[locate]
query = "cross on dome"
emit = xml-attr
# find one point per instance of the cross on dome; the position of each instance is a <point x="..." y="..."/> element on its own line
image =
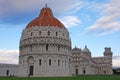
<point x="46" y="5"/>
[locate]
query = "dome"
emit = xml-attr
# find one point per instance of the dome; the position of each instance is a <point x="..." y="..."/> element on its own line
<point x="76" y="49"/>
<point x="86" y="50"/>
<point x="45" y="18"/>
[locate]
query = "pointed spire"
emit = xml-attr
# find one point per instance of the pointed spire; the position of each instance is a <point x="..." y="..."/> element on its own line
<point x="46" y="5"/>
<point x="75" y="46"/>
<point x="85" y="46"/>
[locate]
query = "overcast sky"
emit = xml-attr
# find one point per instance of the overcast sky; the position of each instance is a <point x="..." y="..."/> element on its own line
<point x="95" y="23"/>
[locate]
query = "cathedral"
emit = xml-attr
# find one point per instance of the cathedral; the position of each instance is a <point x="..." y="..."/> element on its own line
<point x="45" y="50"/>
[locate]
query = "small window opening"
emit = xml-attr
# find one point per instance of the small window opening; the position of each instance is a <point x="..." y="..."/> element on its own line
<point x="49" y="62"/>
<point x="58" y="62"/>
<point x="40" y="62"/>
<point x="48" y="33"/>
<point x="46" y="47"/>
<point x="56" y="33"/>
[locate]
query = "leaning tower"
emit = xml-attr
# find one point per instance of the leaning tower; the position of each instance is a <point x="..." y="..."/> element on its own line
<point x="44" y="47"/>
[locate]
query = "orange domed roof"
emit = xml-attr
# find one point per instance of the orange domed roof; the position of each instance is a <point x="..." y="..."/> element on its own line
<point x="45" y="18"/>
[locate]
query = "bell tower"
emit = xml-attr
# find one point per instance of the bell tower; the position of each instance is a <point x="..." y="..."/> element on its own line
<point x="108" y="52"/>
<point x="108" y="57"/>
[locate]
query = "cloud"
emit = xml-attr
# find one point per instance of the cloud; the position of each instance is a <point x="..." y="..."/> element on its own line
<point x="21" y="11"/>
<point x="109" y="21"/>
<point x="116" y="61"/>
<point x="9" y="56"/>
<point x="70" y="21"/>
<point x="116" y="57"/>
<point x="23" y="5"/>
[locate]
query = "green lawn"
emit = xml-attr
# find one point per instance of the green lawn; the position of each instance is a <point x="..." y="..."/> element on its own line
<point x="64" y="78"/>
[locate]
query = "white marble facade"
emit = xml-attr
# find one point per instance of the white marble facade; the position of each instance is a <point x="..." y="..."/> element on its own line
<point x="46" y="51"/>
<point x="84" y="64"/>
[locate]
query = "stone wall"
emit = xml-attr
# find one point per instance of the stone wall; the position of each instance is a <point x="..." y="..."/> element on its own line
<point x="9" y="70"/>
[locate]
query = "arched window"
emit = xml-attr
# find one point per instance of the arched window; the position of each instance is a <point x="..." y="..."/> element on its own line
<point x="39" y="32"/>
<point x="31" y="34"/>
<point x="69" y="59"/>
<point x="58" y="62"/>
<point x="49" y="62"/>
<point x="23" y="62"/>
<point x="40" y="60"/>
<point x="46" y="47"/>
<point x="30" y="47"/>
<point x="56" y="33"/>
<point x="30" y="59"/>
<point x="63" y="34"/>
<point x="48" y="33"/>
<point x="58" y="47"/>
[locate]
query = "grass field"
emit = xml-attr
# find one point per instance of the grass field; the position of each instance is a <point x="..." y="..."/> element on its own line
<point x="64" y="78"/>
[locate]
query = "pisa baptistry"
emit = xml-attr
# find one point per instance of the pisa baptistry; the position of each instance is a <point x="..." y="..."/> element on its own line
<point x="44" y="47"/>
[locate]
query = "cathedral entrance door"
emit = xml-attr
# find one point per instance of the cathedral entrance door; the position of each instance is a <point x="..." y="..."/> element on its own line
<point x="76" y="71"/>
<point x="31" y="69"/>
